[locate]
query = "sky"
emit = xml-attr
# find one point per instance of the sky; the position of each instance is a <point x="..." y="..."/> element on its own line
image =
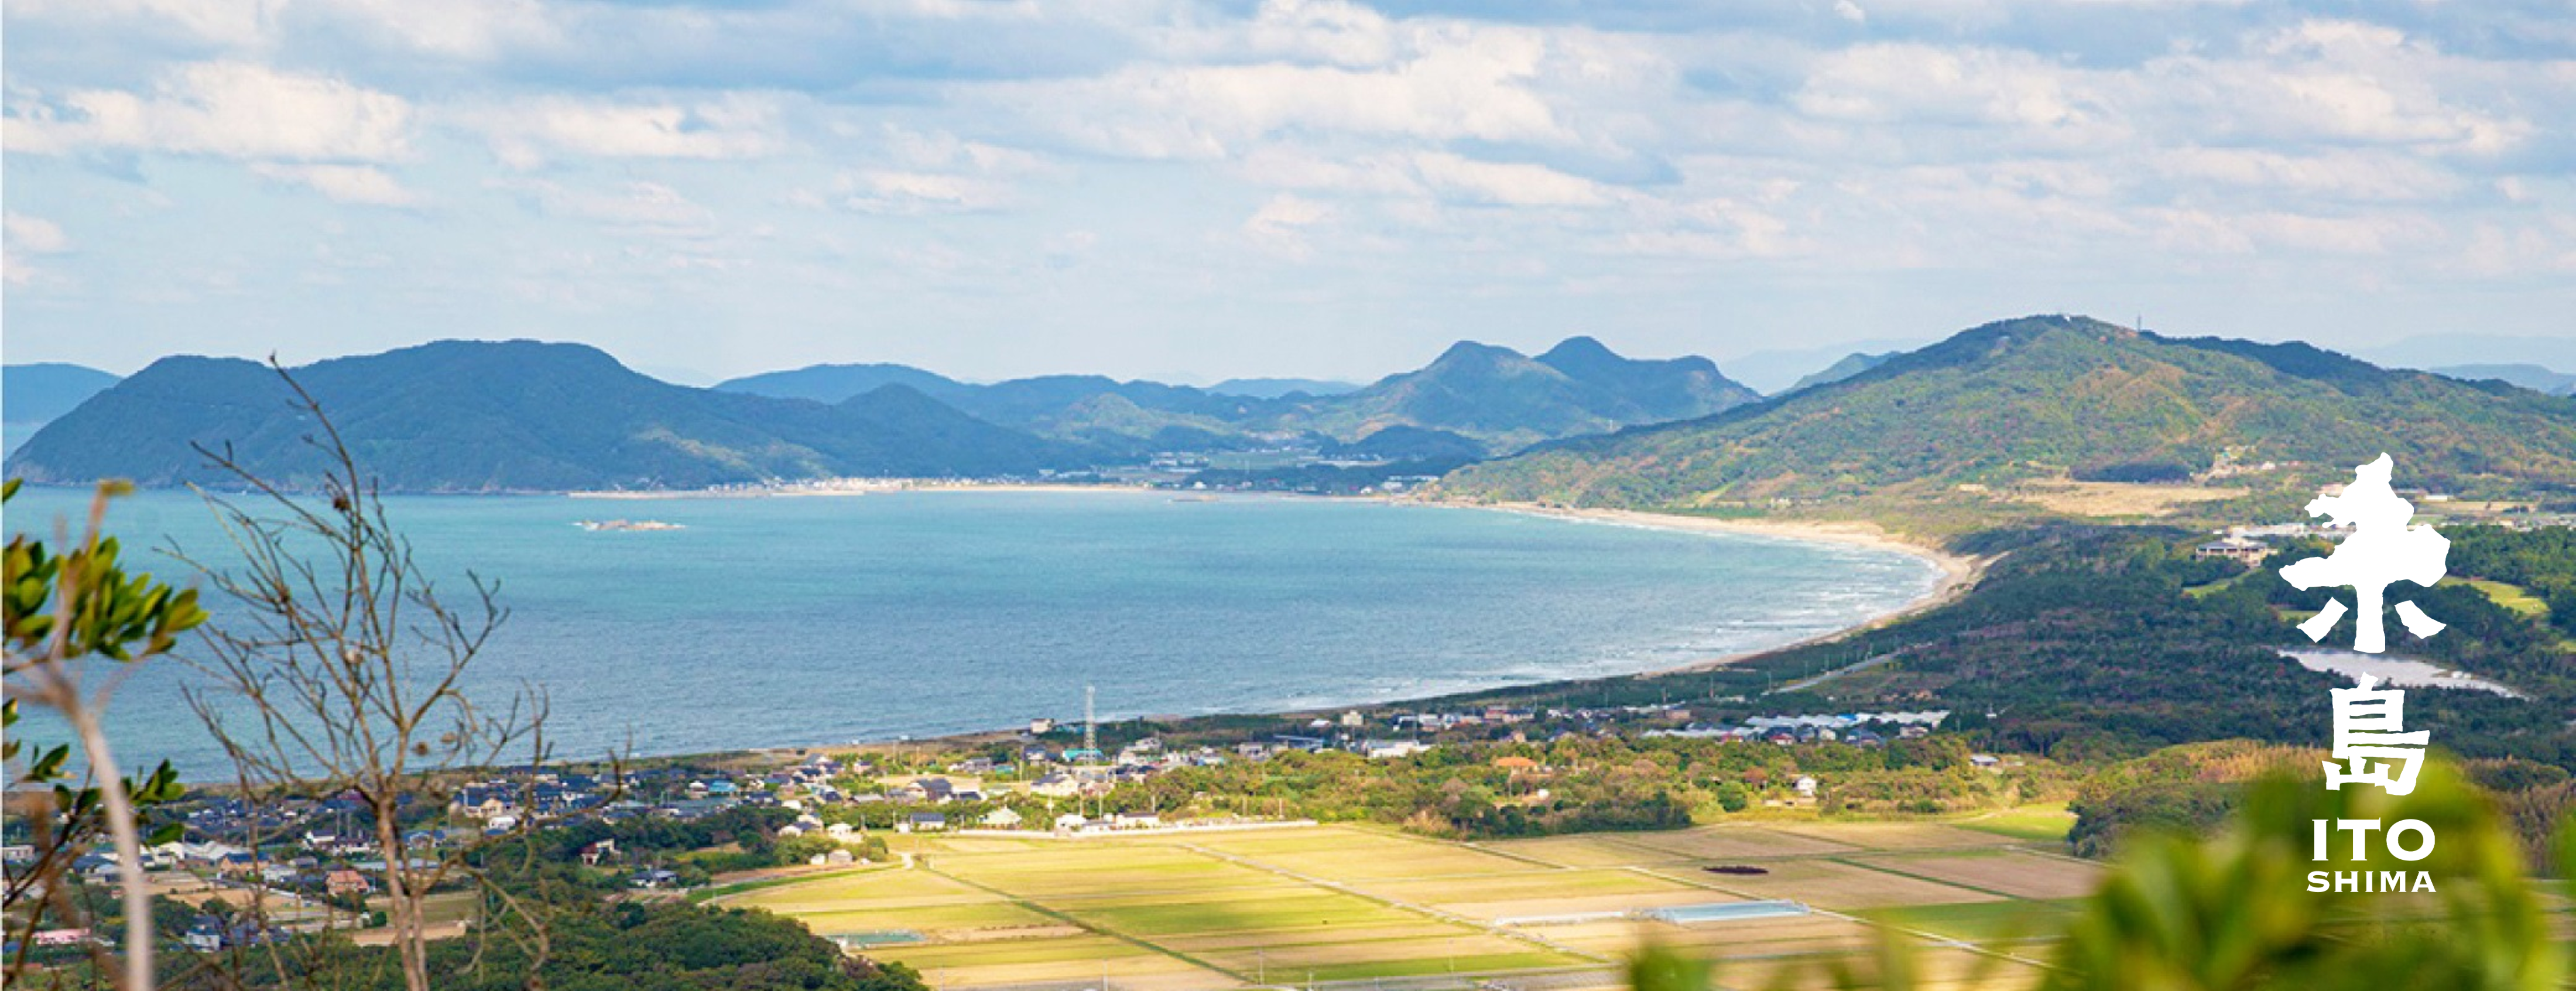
<point x="991" y="188"/>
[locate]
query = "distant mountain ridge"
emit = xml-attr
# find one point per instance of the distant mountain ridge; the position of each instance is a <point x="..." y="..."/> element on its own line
<point x="2046" y="397"/>
<point x="1850" y="365"/>
<point x="37" y="392"/>
<point x="2533" y="377"/>
<point x="1498" y="396"/>
<point x="1275" y="388"/>
<point x="472" y="416"/>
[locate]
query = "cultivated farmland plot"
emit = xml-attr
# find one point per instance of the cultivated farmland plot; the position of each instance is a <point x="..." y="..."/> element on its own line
<point x="1347" y="903"/>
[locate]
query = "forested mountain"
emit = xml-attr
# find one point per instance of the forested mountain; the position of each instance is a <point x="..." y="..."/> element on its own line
<point x="834" y="383"/>
<point x="1500" y="397"/>
<point x="2054" y="397"/>
<point x="35" y="393"/>
<point x="462" y="416"/>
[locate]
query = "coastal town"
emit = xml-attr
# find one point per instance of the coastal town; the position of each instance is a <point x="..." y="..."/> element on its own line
<point x="312" y="861"/>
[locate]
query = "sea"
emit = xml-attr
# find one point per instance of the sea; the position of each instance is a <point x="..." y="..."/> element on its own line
<point x="821" y="620"/>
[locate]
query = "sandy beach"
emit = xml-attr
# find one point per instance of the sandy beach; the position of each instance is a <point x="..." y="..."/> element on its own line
<point x="1959" y="573"/>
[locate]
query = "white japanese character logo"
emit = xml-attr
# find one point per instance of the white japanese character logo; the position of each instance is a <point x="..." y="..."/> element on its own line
<point x="2368" y="739"/>
<point x="2382" y="550"/>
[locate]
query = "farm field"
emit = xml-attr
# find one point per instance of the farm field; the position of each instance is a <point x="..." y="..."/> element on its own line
<point x="1322" y="904"/>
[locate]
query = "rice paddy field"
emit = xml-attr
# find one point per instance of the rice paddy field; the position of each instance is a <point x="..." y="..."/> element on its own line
<point x="1364" y="907"/>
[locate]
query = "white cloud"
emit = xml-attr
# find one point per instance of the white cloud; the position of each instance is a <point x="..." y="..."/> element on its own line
<point x="360" y="184"/>
<point x="33" y="235"/>
<point x="911" y="193"/>
<point x="237" y="110"/>
<point x="1507" y="183"/>
<point x="465" y="29"/>
<point x="634" y="207"/>
<point x="229" y="23"/>
<point x="1454" y="82"/>
<point x="22" y="236"/>
<point x="1915" y="83"/>
<point x="527" y="133"/>
<point x="2340" y="173"/>
<point x="1280" y="225"/>
<point x="1330" y="31"/>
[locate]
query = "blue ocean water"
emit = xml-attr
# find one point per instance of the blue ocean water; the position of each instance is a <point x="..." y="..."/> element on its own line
<point x="813" y="620"/>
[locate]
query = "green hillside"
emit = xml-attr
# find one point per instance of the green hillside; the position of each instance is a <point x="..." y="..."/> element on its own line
<point x="2057" y="398"/>
<point x="461" y="416"/>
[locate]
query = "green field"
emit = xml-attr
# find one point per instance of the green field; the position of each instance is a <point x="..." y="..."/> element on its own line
<point x="2034" y="823"/>
<point x="1183" y="912"/>
<point x="2511" y="596"/>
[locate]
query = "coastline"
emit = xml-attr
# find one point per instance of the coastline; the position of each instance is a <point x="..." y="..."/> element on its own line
<point x="1958" y="572"/>
<point x="853" y="487"/>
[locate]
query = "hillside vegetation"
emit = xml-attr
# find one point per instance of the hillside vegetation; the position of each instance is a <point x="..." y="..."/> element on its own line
<point x="460" y="416"/>
<point x="2055" y="398"/>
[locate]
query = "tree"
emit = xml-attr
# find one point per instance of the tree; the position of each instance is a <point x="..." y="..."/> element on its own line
<point x="60" y="609"/>
<point x="340" y="668"/>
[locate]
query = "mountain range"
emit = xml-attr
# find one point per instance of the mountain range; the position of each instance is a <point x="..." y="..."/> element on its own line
<point x="468" y="416"/>
<point x="2058" y="397"/>
<point x="458" y="416"/>
<point x="2034" y="399"/>
<point x="1499" y="398"/>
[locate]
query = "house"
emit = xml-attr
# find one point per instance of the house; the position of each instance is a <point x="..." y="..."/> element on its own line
<point x="1806" y="786"/>
<point x="61" y="937"/>
<point x="1385" y="749"/>
<point x="934" y="790"/>
<point x="96" y="867"/>
<point x="1056" y="786"/>
<point x="1984" y="761"/>
<point x="2235" y="549"/>
<point x="209" y="934"/>
<point x="922" y="822"/>
<point x="1137" y="820"/>
<point x="654" y="879"/>
<point x="1515" y="763"/>
<point x="347" y="882"/>
<point x="1070" y="822"/>
<point x="1002" y="818"/>
<point x="594" y="853"/>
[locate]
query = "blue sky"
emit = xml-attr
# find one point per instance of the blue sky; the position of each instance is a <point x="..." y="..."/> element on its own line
<point x="1152" y="187"/>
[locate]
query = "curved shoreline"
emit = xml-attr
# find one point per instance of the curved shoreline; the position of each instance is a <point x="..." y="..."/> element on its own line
<point x="1958" y="573"/>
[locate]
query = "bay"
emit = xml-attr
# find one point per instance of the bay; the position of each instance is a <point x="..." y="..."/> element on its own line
<point x="820" y="620"/>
